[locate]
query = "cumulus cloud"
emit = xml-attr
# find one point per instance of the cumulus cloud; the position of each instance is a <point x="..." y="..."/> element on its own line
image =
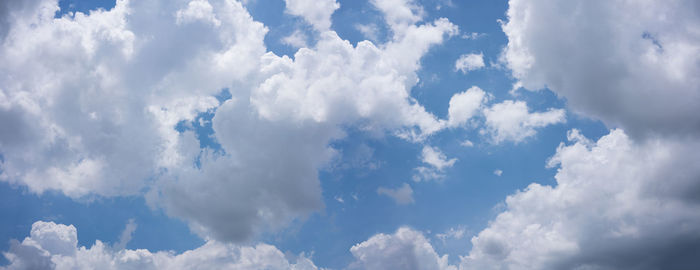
<point x="55" y="246"/>
<point x="465" y="105"/>
<point x="512" y="121"/>
<point x="401" y="195"/>
<point x="405" y="249"/>
<point x="75" y="92"/>
<point x="635" y="66"/>
<point x="437" y="163"/>
<point x="470" y="62"/>
<point x="316" y="12"/>
<point x="618" y="204"/>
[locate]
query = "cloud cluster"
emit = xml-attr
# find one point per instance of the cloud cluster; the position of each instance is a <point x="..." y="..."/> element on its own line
<point x="91" y="103"/>
<point x="436" y="163"/>
<point x="470" y="62"/>
<point x="55" y="246"/>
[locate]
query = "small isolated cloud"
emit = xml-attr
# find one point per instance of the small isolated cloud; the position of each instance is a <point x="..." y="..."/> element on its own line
<point x="126" y="235"/>
<point x="511" y="121"/>
<point x="452" y="234"/>
<point x="467" y="143"/>
<point x="339" y="199"/>
<point x="402" y="195"/>
<point x="498" y="172"/>
<point x="370" y="31"/>
<point x="470" y="62"/>
<point x="472" y="35"/>
<point x="464" y="105"/>
<point x="296" y="39"/>
<point x="437" y="162"/>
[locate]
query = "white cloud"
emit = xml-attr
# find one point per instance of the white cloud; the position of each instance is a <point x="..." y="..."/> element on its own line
<point x="464" y="105"/>
<point x="437" y="162"/>
<point x="55" y="246"/>
<point x="470" y="62"/>
<point x="399" y="15"/>
<point x="401" y="195"/>
<point x="618" y="204"/>
<point x="512" y="121"/>
<point x="453" y="234"/>
<point x="296" y="39"/>
<point x="498" y="172"/>
<point x="83" y="87"/>
<point x="634" y="66"/>
<point x="316" y="12"/>
<point x="405" y="249"/>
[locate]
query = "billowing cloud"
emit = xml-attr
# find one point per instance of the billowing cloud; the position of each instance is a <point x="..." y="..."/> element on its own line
<point x="55" y="246"/>
<point x="618" y="204"/>
<point x="470" y="62"/>
<point x="76" y="91"/>
<point x="316" y="12"/>
<point x="401" y="195"/>
<point x="635" y="66"/>
<point x="405" y="249"/>
<point x="512" y="121"/>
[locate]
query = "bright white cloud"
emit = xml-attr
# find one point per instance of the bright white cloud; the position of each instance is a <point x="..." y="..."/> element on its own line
<point x="55" y="246"/>
<point x="78" y="90"/>
<point x="634" y="66"/>
<point x="470" y="62"/>
<point x="399" y="15"/>
<point x="498" y="172"/>
<point x="405" y="249"/>
<point x="437" y="162"/>
<point x="465" y="105"/>
<point x="401" y="195"/>
<point x="316" y="12"/>
<point x="511" y="121"/>
<point x="618" y="204"/>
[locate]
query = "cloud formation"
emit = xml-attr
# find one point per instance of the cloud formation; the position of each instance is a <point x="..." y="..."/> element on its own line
<point x="609" y="210"/>
<point x="635" y="66"/>
<point x="55" y="246"/>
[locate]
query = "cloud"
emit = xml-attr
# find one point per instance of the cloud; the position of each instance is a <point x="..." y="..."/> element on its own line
<point x="401" y="195"/>
<point x="126" y="235"/>
<point x="437" y="162"/>
<point x="296" y="39"/>
<point x="405" y="249"/>
<point x="633" y="67"/>
<point x="511" y="121"/>
<point x="54" y="246"/>
<point x="498" y="172"/>
<point x="453" y="234"/>
<point x="80" y="88"/>
<point x="316" y="12"/>
<point x="470" y="62"/>
<point x="465" y="105"/>
<point x="618" y="204"/>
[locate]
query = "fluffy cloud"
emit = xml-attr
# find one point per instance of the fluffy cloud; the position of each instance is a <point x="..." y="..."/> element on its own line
<point x="511" y="121"/>
<point x="401" y="195"/>
<point x="76" y="91"/>
<point x="470" y="62"/>
<point x="634" y="66"/>
<point x="315" y="12"/>
<point x="437" y="163"/>
<point x="405" y="249"/>
<point x="465" y="105"/>
<point x="54" y="246"/>
<point x="618" y="204"/>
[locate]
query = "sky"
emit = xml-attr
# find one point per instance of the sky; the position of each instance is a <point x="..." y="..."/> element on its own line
<point x="358" y="134"/>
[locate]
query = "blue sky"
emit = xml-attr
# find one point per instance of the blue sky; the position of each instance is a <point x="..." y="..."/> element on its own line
<point x="206" y="133"/>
